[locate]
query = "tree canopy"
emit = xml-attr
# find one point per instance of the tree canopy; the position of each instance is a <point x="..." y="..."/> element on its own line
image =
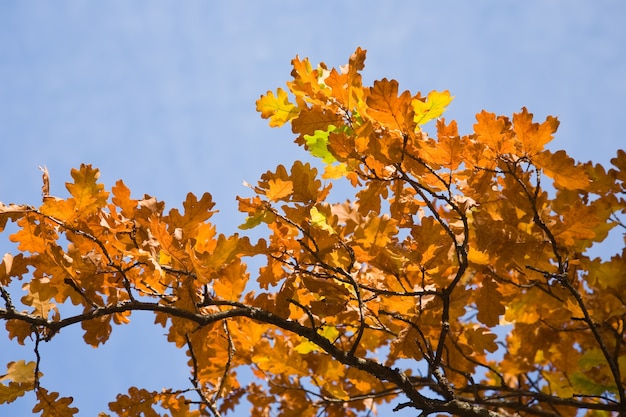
<point x="456" y="280"/>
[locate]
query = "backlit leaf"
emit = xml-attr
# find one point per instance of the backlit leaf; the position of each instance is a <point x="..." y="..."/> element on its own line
<point x="276" y="108"/>
<point x="432" y="108"/>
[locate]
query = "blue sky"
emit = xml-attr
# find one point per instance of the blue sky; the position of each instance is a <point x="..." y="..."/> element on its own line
<point x="162" y="95"/>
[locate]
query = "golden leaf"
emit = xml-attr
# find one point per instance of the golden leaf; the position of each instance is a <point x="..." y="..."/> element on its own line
<point x="20" y="372"/>
<point x="431" y="108"/>
<point x="277" y="108"/>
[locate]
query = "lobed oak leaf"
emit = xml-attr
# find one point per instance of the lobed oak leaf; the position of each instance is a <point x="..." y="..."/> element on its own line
<point x="63" y="210"/>
<point x="489" y="303"/>
<point x="494" y="132"/>
<point x="32" y="236"/>
<point x="138" y="402"/>
<point x="50" y="405"/>
<point x="121" y="198"/>
<point x="346" y="85"/>
<point x="406" y="344"/>
<point x="449" y="149"/>
<point x="97" y="330"/>
<point x="480" y="339"/>
<point x="562" y="169"/>
<point x="205" y="241"/>
<point x="231" y="281"/>
<point x="271" y="274"/>
<point x="317" y="144"/>
<point x="19" y="330"/>
<point x="11" y="212"/>
<point x="87" y="193"/>
<point x="332" y="172"/>
<point x="196" y="213"/>
<point x="386" y="108"/>
<point x="306" y="80"/>
<point x="13" y="390"/>
<point x="578" y="225"/>
<point x="20" y="372"/>
<point x="278" y="189"/>
<point x="178" y="405"/>
<point x="306" y="187"/>
<point x="319" y="220"/>
<point x="312" y="119"/>
<point x="432" y="107"/>
<point x="608" y="273"/>
<point x="377" y="231"/>
<point x="533" y="136"/>
<point x="279" y="359"/>
<point x="225" y="251"/>
<point x="276" y="108"/>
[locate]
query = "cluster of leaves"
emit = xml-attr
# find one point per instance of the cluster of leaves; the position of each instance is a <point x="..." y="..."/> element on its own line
<point x="398" y="294"/>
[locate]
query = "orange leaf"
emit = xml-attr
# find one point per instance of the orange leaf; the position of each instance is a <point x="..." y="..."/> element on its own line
<point x="97" y="330"/>
<point x="533" y="136"/>
<point x="388" y="109"/>
<point x="121" y="197"/>
<point x="278" y="189"/>
<point x="87" y="193"/>
<point x="562" y="169"/>
<point x="489" y="303"/>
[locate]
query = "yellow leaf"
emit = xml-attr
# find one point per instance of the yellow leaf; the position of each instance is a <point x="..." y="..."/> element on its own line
<point x="277" y="108"/>
<point x="164" y="258"/>
<point x="318" y="220"/>
<point x="477" y="257"/>
<point x="432" y="108"/>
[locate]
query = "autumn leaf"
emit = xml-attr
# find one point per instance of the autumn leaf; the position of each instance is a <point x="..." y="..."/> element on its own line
<point x="88" y="194"/>
<point x="278" y="189"/>
<point x="277" y="108"/>
<point x="386" y="108"/>
<point x="377" y="231"/>
<point x="20" y="372"/>
<point x="318" y="145"/>
<point x="319" y="220"/>
<point x="121" y="198"/>
<point x="562" y="169"/>
<point x="533" y="136"/>
<point x="97" y="330"/>
<point x="489" y="303"/>
<point x="432" y="107"/>
<point x="50" y="405"/>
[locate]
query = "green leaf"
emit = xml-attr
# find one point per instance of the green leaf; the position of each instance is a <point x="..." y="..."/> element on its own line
<point x="318" y="144"/>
